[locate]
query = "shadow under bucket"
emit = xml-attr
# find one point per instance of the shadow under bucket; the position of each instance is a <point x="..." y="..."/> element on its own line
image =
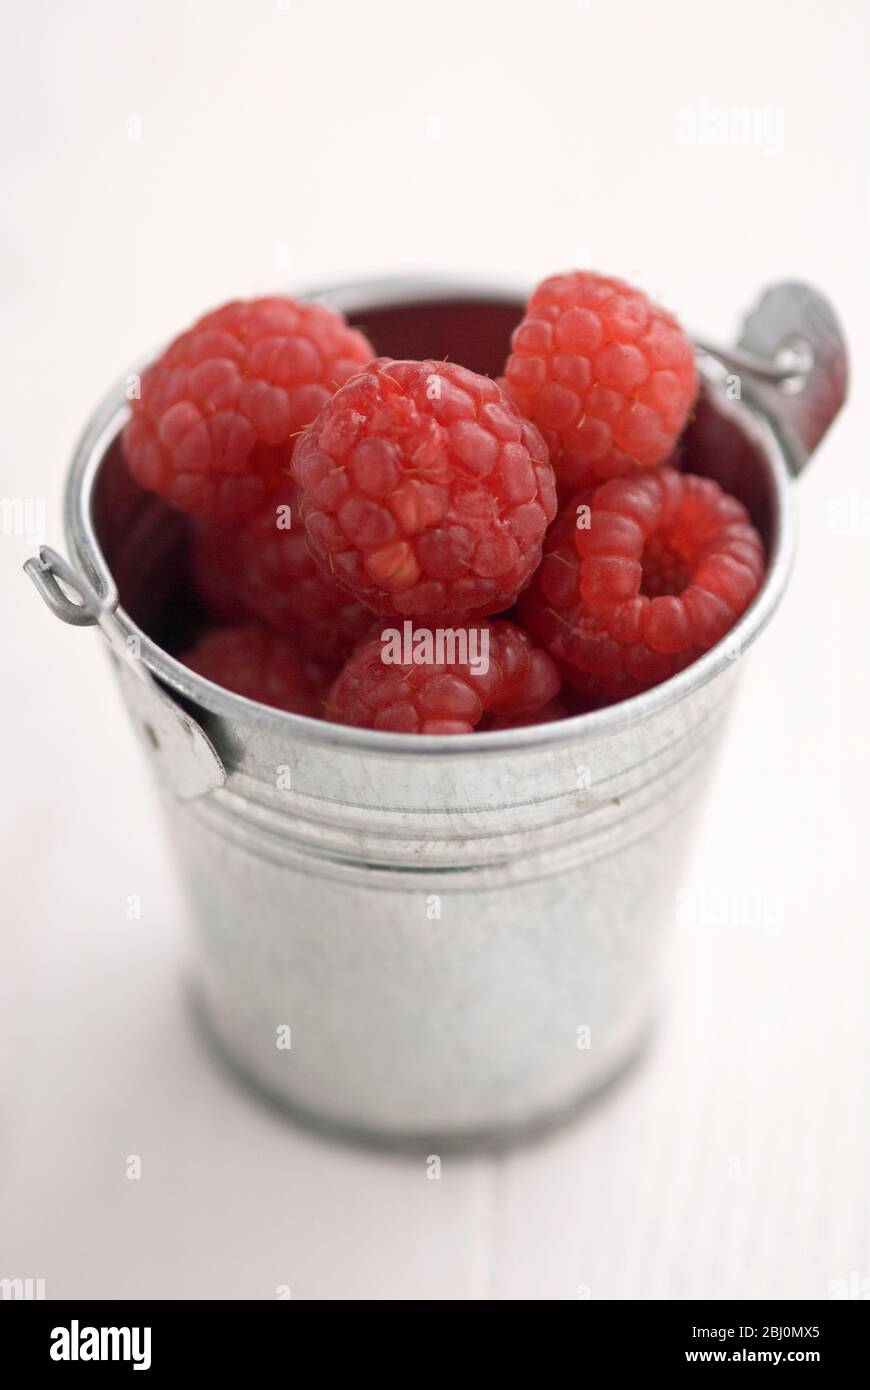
<point x="432" y="939"/>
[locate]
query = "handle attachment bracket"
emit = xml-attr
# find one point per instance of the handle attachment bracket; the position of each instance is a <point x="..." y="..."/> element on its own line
<point x="186" y="758"/>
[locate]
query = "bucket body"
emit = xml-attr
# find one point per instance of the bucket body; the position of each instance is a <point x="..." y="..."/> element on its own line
<point x="430" y="939"/>
<point x="457" y="944"/>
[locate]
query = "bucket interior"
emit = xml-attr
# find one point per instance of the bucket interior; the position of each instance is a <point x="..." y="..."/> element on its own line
<point x="145" y="542"/>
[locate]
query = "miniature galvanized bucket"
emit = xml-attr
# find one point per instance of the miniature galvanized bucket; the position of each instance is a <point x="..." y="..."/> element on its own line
<point x="436" y="939"/>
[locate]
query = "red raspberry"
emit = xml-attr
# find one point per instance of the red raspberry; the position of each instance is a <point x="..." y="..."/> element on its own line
<point x="425" y="491"/>
<point x="261" y="567"/>
<point x="431" y="696"/>
<point x="607" y="376"/>
<point x="215" y="426"/>
<point x="665" y="567"/>
<point x="263" y="666"/>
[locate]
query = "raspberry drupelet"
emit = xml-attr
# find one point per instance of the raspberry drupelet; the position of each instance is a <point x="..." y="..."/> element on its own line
<point x="261" y="567"/>
<point x="662" y="571"/>
<point x="262" y="665"/>
<point x="445" y="696"/>
<point x="219" y="412"/>
<point x="425" y="492"/>
<point x="608" y="376"/>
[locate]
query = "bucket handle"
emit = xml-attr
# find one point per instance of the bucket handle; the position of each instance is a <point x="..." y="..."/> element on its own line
<point x="185" y="756"/>
<point x="791" y="357"/>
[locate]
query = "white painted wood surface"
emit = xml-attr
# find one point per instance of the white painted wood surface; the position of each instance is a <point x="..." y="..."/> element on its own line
<point x="734" y="1160"/>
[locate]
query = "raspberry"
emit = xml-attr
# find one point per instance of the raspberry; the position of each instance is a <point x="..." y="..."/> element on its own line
<point x="262" y="665"/>
<point x="215" y="427"/>
<point x="666" y="565"/>
<point x="607" y="376"/>
<point x="261" y="567"/>
<point x="425" y="491"/>
<point x="443" y="696"/>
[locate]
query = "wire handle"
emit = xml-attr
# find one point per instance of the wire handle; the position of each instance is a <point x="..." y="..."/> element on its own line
<point x="186" y="758"/>
<point x="791" y="358"/>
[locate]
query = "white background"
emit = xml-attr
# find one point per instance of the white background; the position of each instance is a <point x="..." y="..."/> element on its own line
<point x="160" y="158"/>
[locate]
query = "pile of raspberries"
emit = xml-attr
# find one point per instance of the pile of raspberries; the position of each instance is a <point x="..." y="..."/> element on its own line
<point x="360" y="526"/>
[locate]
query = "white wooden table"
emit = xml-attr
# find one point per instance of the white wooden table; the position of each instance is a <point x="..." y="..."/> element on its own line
<point x="161" y="158"/>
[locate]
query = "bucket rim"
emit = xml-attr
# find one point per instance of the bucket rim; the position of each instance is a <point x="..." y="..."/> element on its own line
<point x="109" y="416"/>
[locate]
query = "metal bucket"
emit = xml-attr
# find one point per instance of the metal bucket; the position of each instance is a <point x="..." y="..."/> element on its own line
<point x="432" y="939"/>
